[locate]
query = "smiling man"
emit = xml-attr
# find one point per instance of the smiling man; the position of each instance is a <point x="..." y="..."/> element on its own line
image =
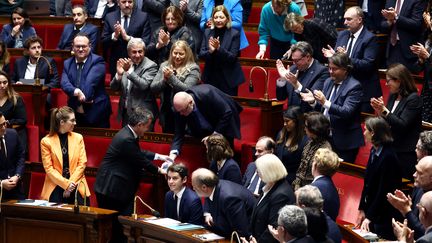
<point x="79" y="14"/>
<point x="133" y="77"/>
<point x="182" y="203"/>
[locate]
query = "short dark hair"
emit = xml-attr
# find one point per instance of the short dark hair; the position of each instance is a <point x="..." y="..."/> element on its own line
<point x="140" y="114"/>
<point x="179" y="168"/>
<point x="270" y="143"/>
<point x="31" y="40"/>
<point x="82" y="34"/>
<point x="295" y="114"/>
<point x="85" y="11"/>
<point x="381" y="129"/>
<point x="318" y="124"/>
<point x="342" y="60"/>
<point x="304" y="47"/>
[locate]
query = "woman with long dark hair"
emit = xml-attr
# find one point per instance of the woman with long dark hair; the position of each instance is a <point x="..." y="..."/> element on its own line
<point x="19" y="29"/>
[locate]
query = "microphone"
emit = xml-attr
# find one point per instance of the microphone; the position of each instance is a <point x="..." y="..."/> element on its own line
<point x="76" y="206"/>
<point x="37" y="80"/>
<point x="153" y="212"/>
<point x="1" y="193"/>
<point x="251" y="88"/>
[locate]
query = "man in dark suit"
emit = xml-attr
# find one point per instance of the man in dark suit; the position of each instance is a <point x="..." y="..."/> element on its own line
<point x="79" y="14"/>
<point x="203" y="110"/>
<point x="120" y="26"/>
<point x="83" y="80"/>
<point x="35" y="65"/>
<point x="119" y="175"/>
<point x="292" y="226"/>
<point x="229" y="204"/>
<point x="251" y="180"/>
<point x="134" y="76"/>
<point x="306" y="73"/>
<point x="11" y="162"/>
<point x="362" y="47"/>
<point x="99" y="9"/>
<point x="324" y="165"/>
<point x="181" y="203"/>
<point x="340" y="102"/>
<point x="372" y="14"/>
<point x="403" y="22"/>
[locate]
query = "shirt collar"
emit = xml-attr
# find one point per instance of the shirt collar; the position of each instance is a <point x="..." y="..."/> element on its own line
<point x="211" y="195"/>
<point x="378" y="151"/>
<point x="316" y="178"/>
<point x="180" y="193"/>
<point x="135" y="135"/>
<point x="356" y="34"/>
<point x="85" y="60"/>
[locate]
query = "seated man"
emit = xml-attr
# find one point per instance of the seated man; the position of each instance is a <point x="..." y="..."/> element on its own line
<point x="83" y="80"/>
<point x="181" y="203"/>
<point x="79" y="14"/>
<point x="11" y="162"/>
<point x="229" y="204"/>
<point x="134" y="76"/>
<point x="203" y="110"/>
<point x="35" y="65"/>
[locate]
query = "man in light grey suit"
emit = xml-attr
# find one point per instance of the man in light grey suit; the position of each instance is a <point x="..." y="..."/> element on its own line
<point x="134" y="76"/>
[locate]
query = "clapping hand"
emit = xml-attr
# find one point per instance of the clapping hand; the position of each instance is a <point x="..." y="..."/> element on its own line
<point x="163" y="38"/>
<point x="328" y="52"/>
<point x="214" y="44"/>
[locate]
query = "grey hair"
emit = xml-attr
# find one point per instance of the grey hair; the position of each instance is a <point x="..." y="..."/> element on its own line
<point x="134" y="42"/>
<point x="426" y="141"/>
<point x="294" y="220"/>
<point x="309" y="196"/>
<point x="302" y="46"/>
<point x="140" y="114"/>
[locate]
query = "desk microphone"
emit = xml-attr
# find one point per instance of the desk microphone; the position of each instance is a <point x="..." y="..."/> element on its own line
<point x="153" y="212"/>
<point x="37" y="80"/>
<point x="1" y="193"/>
<point x="76" y="206"/>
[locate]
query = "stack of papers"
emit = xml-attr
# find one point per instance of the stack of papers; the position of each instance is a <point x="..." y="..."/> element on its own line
<point x="366" y="235"/>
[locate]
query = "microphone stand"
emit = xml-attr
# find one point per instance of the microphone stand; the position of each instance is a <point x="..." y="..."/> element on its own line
<point x="1" y="193"/>
<point x="251" y="88"/>
<point x="37" y="80"/>
<point x="135" y="215"/>
<point x="76" y="206"/>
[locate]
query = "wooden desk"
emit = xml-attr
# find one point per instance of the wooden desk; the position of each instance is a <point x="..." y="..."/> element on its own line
<point x="38" y="224"/>
<point x="142" y="231"/>
<point x="349" y="235"/>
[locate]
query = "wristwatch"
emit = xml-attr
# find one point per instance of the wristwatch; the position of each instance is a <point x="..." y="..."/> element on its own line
<point x="385" y="112"/>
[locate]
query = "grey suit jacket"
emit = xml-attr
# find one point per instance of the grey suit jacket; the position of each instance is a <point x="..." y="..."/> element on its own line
<point x="427" y="238"/>
<point x="139" y="93"/>
<point x="192" y="19"/>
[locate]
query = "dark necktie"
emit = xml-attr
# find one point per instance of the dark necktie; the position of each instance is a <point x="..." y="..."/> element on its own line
<point x="125" y="23"/>
<point x="176" y="201"/>
<point x="3" y="156"/>
<point x="79" y="72"/>
<point x="350" y="43"/>
<point x="254" y="183"/>
<point x="393" y="33"/>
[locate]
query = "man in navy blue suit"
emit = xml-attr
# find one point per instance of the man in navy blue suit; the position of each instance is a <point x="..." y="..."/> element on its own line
<point x="202" y="110"/>
<point x="99" y="9"/>
<point x="229" y="204"/>
<point x="35" y="65"/>
<point x="181" y="203"/>
<point x="79" y="14"/>
<point x="403" y="22"/>
<point x="251" y="180"/>
<point x="306" y="73"/>
<point x="120" y="26"/>
<point x="11" y="162"/>
<point x="340" y="102"/>
<point x="324" y="165"/>
<point x="83" y="80"/>
<point x="362" y="47"/>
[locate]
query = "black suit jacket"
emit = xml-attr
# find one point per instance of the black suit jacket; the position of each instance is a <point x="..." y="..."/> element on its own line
<point x="405" y="121"/>
<point x="231" y="208"/>
<point x="190" y="210"/>
<point x="313" y="79"/>
<point x="222" y="63"/>
<point x="382" y="176"/>
<point x="230" y="171"/>
<point x="51" y="80"/>
<point x="329" y="194"/>
<point x="266" y="211"/>
<point x="364" y="57"/>
<point x="15" y="156"/>
<point x="119" y="175"/>
<point x="247" y="177"/>
<point x="92" y="5"/>
<point x="219" y="109"/>
<point x="138" y="27"/>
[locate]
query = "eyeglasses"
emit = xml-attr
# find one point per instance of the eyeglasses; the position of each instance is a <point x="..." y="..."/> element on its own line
<point x="297" y="60"/>
<point x="4" y="124"/>
<point x="81" y="46"/>
<point x="388" y="80"/>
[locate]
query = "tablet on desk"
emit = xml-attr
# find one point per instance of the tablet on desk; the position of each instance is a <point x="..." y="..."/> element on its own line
<point x="31" y="81"/>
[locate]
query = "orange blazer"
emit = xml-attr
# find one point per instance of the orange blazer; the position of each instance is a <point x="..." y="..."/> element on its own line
<point x="52" y="160"/>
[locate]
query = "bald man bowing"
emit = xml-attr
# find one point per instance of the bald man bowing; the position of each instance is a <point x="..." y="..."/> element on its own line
<point x="201" y="111"/>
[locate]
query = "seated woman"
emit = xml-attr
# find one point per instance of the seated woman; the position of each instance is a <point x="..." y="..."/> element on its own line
<point x="276" y="193"/>
<point x="382" y="176"/>
<point x="220" y="50"/>
<point x="291" y="141"/>
<point x="4" y="57"/>
<point x="317" y="129"/>
<point x="173" y="29"/>
<point x="179" y="73"/>
<point x="13" y="108"/>
<point x="403" y="114"/>
<point x="219" y="154"/>
<point x="64" y="160"/>
<point x="19" y="29"/>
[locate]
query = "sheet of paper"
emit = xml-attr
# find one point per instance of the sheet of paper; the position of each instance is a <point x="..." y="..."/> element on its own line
<point x="37" y="203"/>
<point x="208" y="237"/>
<point x="165" y="222"/>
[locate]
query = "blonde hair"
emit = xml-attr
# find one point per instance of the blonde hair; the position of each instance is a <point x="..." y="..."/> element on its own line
<point x="270" y="168"/>
<point x="221" y="8"/>
<point x="58" y="115"/>
<point x="292" y="19"/>
<point x="326" y="161"/>
<point x="189" y="57"/>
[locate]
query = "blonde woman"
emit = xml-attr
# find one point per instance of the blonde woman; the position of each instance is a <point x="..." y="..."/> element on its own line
<point x="64" y="160"/>
<point x="179" y="73"/>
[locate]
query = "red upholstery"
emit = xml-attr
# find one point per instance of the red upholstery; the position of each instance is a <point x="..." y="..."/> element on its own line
<point x="364" y="152"/>
<point x="145" y="191"/>
<point x="250" y="123"/>
<point x="114" y="123"/>
<point x="33" y="143"/>
<point x="258" y="81"/>
<point x="36" y="183"/>
<point x="349" y="189"/>
<point x="60" y="63"/>
<point x="255" y="15"/>
<point x="58" y="98"/>
<point x="96" y="148"/>
<point x="253" y="47"/>
<point x="27" y="97"/>
<point x="90" y="182"/>
<point x="247" y="155"/>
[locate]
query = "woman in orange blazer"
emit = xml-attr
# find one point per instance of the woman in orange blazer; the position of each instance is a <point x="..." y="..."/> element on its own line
<point x="64" y="160"/>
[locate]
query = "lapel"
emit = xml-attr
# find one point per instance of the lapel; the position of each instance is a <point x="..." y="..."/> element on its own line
<point x="328" y="88"/>
<point x="391" y="100"/>
<point x="309" y="74"/>
<point x="227" y="39"/>
<point x="358" y="42"/>
<point x="341" y="87"/>
<point x="71" y="148"/>
<point x="56" y="147"/>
